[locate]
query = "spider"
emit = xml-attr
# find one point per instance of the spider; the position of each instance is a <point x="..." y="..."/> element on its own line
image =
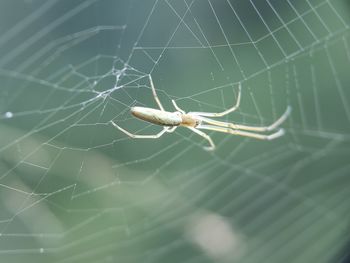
<point x="197" y="121"/>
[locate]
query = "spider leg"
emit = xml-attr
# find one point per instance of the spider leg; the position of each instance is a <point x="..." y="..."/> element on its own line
<point x="177" y="107"/>
<point x="155" y="136"/>
<point x="205" y="136"/>
<point x="269" y="137"/>
<point x="271" y="127"/>
<point x="155" y="93"/>
<point x="220" y="114"/>
<point x="171" y="129"/>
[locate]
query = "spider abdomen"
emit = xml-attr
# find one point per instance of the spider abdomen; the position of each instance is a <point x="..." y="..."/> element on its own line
<point x="158" y="117"/>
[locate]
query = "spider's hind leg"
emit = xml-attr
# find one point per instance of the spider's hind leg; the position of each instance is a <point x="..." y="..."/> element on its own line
<point x="177" y="107"/>
<point x="137" y="136"/>
<point x="155" y="96"/>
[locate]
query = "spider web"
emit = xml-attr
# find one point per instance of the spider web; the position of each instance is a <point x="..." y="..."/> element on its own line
<point x="75" y="189"/>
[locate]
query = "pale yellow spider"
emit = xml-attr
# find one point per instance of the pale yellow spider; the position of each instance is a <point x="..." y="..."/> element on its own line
<point x="197" y="120"/>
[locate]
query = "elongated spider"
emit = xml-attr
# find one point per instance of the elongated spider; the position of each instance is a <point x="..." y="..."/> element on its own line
<point x="195" y="121"/>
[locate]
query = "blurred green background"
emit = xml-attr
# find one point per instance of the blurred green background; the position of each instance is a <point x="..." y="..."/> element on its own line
<point x="75" y="189"/>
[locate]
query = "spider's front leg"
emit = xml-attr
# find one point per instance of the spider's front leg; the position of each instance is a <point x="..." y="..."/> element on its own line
<point x="268" y="137"/>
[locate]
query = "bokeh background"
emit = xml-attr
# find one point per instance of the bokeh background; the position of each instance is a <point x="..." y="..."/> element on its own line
<point x="75" y="189"/>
